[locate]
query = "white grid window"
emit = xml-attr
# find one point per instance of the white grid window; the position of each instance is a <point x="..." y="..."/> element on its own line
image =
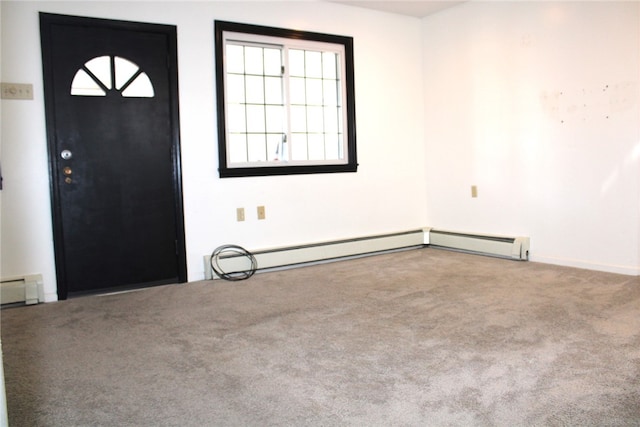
<point x="283" y="107"/>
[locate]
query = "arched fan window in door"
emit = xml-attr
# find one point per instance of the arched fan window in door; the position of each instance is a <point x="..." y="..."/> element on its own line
<point x="105" y="73"/>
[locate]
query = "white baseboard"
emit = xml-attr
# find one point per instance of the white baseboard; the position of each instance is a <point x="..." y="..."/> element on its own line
<point x="587" y="265"/>
<point x="317" y="252"/>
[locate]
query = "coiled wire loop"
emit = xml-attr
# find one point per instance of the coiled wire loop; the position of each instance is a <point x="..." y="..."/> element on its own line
<point x="226" y="251"/>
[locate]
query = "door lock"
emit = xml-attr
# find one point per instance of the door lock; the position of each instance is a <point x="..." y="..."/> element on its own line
<point x="66" y="154"/>
<point x="67" y="171"/>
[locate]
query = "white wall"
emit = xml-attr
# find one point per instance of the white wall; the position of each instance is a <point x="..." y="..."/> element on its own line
<point x="385" y="195"/>
<point x="537" y="103"/>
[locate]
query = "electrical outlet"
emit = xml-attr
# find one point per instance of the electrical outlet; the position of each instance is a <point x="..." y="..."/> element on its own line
<point x="16" y="90"/>
<point x="261" y="212"/>
<point x="240" y="214"/>
<point x="474" y="191"/>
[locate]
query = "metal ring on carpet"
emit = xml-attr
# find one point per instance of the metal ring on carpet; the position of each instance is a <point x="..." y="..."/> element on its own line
<point x="237" y="250"/>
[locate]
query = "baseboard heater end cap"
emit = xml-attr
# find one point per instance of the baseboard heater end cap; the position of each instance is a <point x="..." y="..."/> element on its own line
<point x="426" y="231"/>
<point x="521" y="248"/>
<point x="28" y="289"/>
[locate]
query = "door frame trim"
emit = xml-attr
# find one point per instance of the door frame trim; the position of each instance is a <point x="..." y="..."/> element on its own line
<point x="47" y="20"/>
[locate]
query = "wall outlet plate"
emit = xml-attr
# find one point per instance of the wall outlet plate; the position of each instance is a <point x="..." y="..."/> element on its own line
<point x="16" y="90"/>
<point x="240" y="214"/>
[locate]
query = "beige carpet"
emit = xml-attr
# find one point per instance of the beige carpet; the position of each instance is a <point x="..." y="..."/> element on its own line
<point x="424" y="337"/>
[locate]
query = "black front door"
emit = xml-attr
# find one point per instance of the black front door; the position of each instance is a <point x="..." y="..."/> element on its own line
<point x="113" y="135"/>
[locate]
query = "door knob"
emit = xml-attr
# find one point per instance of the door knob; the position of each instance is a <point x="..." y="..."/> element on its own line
<point x="67" y="171"/>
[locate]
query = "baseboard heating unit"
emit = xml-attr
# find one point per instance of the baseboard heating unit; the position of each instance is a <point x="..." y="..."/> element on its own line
<point x="319" y="252"/>
<point x="27" y="289"/>
<point x="500" y="246"/>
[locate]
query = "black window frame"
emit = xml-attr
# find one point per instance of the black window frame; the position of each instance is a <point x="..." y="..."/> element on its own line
<point x="225" y="171"/>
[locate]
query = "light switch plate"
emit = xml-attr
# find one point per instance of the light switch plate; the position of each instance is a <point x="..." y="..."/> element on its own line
<point x="16" y="90"/>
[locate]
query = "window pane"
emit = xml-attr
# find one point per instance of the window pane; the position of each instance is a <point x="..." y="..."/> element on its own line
<point x="298" y="119"/>
<point x="333" y="146"/>
<point x="101" y="68"/>
<point x="315" y="145"/>
<point x="234" y="59"/>
<point x="255" y="118"/>
<point x="299" y="146"/>
<point x="285" y="149"/>
<point x="237" y="148"/>
<point x="253" y="60"/>
<point x="84" y="85"/>
<point x="274" y="148"/>
<point x="313" y="64"/>
<point x="272" y="62"/>
<point x="331" y="119"/>
<point x="256" y="146"/>
<point x="330" y="92"/>
<point x="236" y="118"/>
<point x="314" y="92"/>
<point x="273" y="90"/>
<point x="297" y="90"/>
<point x="235" y="88"/>
<point x="296" y="62"/>
<point x="255" y="90"/>
<point x="275" y="119"/>
<point x="315" y="122"/>
<point x="125" y="69"/>
<point x="329" y="65"/>
<point x="141" y="87"/>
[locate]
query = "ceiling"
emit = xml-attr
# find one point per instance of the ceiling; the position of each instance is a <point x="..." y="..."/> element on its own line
<point x="417" y="8"/>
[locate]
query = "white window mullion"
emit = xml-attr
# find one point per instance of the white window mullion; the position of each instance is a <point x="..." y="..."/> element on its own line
<point x="267" y="155"/>
<point x="245" y="104"/>
<point x="286" y="87"/>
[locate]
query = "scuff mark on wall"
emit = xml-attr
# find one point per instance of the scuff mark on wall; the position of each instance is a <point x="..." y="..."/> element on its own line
<point x="586" y="104"/>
